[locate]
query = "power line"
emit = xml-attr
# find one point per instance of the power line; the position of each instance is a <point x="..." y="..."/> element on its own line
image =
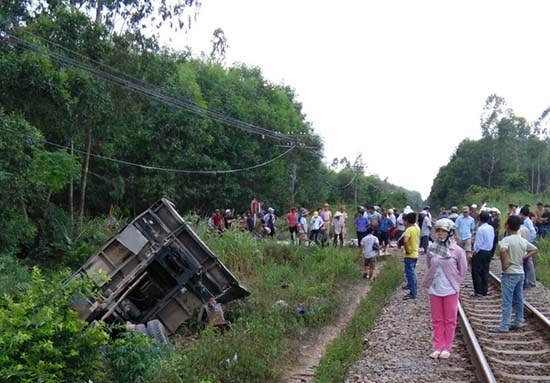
<point x="147" y="91"/>
<point x="149" y="167"/>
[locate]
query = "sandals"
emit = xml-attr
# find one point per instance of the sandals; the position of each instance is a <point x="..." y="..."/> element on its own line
<point x="440" y="354"/>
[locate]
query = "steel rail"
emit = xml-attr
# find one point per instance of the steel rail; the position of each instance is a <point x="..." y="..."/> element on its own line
<point x="483" y="370"/>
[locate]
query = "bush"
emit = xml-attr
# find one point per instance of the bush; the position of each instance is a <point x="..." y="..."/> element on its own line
<point x="41" y="338"/>
<point x="133" y="357"/>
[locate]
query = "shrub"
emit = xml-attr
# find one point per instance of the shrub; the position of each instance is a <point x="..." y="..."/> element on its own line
<point x="41" y="338"/>
<point x="132" y="357"/>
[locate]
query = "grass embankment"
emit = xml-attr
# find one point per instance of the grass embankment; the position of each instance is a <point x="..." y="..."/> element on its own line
<point x="542" y="261"/>
<point x="259" y="343"/>
<point x="343" y="352"/>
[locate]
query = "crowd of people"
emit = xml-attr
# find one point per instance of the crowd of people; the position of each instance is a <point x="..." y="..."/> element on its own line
<point x="450" y="241"/>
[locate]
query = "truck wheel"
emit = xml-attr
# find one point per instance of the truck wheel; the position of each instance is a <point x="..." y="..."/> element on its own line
<point x="155" y="330"/>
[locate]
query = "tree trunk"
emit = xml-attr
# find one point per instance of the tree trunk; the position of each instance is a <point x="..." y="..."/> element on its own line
<point x="293" y="186"/>
<point x="99" y="6"/>
<point x="47" y="204"/>
<point x="85" y="176"/>
<point x="491" y="168"/>
<point x="533" y="178"/>
<point x="71" y="191"/>
<point x="538" y="176"/>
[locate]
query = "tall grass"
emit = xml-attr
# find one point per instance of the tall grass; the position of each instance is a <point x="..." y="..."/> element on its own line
<point x="13" y="275"/>
<point x="542" y="261"/>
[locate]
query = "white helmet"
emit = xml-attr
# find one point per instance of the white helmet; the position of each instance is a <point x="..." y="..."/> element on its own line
<point x="445" y="224"/>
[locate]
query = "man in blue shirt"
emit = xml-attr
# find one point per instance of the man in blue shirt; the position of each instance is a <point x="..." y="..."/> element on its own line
<point x="361" y="222"/>
<point x="481" y="259"/>
<point x="465" y="226"/>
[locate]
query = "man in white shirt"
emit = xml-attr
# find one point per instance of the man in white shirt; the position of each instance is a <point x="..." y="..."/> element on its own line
<point x="481" y="258"/>
<point x="317" y="224"/>
<point x="529" y="264"/>
<point x="425" y="231"/>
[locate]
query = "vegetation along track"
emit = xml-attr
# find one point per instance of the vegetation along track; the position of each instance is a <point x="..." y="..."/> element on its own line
<point x="521" y="355"/>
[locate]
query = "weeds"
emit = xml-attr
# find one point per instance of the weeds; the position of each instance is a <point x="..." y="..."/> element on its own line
<point x="542" y="260"/>
<point x="14" y="277"/>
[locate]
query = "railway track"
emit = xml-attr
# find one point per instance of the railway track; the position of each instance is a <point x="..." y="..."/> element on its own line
<point x="522" y="355"/>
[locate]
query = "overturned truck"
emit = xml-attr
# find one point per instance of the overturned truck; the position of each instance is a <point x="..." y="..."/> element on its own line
<point x="160" y="274"/>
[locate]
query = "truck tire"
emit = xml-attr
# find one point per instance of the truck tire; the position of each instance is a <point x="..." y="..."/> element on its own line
<point x="155" y="330"/>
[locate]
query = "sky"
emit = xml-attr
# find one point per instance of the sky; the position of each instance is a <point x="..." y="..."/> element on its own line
<point x="401" y="82"/>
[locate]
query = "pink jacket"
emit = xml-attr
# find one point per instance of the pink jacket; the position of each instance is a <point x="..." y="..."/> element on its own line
<point x="454" y="267"/>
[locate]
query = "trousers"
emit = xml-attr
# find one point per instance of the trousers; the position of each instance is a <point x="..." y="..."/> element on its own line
<point x="444" y="314"/>
<point x="480" y="271"/>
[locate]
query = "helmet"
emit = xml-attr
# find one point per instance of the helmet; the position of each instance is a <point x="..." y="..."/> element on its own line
<point x="271" y="210"/>
<point x="454" y="209"/>
<point x="390" y="211"/>
<point x="445" y="224"/>
<point x="315" y="213"/>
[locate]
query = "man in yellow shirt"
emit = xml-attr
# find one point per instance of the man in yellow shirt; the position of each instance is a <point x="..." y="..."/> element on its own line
<point x="411" y="240"/>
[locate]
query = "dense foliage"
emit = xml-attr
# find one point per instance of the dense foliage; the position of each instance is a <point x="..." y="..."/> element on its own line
<point x="97" y="120"/>
<point x="512" y="154"/>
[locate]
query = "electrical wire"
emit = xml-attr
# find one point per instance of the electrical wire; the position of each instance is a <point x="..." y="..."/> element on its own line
<point x="149" y="167"/>
<point x="170" y="101"/>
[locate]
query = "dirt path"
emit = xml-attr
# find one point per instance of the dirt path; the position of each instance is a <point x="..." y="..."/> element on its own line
<point x="312" y="349"/>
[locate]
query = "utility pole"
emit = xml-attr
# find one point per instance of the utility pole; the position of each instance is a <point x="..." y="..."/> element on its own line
<point x="356" y="181"/>
<point x="293" y="179"/>
<point x="359" y="166"/>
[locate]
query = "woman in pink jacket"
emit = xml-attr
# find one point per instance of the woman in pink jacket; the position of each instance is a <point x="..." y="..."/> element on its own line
<point x="447" y="265"/>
